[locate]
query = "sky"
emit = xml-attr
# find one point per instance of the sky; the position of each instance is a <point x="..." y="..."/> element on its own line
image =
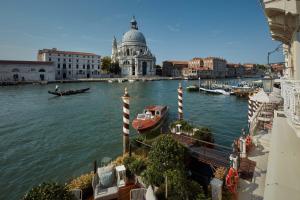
<point x="236" y="30"/>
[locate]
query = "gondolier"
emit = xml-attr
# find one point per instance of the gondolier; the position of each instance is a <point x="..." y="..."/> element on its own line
<point x="56" y="88"/>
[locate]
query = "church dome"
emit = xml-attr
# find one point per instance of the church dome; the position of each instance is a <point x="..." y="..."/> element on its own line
<point x="134" y="36"/>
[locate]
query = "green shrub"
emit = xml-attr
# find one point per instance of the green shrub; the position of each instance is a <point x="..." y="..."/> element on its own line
<point x="165" y="154"/>
<point x="135" y="164"/>
<point x="205" y="134"/>
<point x="83" y="182"/>
<point x="49" y="191"/>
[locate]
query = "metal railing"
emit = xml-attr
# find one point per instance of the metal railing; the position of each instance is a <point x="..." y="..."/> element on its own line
<point x="290" y="91"/>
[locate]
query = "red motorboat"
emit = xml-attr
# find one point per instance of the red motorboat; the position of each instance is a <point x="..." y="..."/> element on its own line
<point x="151" y="118"/>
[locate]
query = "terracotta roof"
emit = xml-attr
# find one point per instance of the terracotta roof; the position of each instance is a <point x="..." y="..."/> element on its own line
<point x="178" y="62"/>
<point x="66" y="52"/>
<point x="12" y="62"/>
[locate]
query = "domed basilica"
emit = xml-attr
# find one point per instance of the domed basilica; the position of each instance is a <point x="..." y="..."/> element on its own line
<point x="134" y="57"/>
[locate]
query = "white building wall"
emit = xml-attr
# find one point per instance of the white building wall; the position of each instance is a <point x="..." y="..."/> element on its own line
<point x="26" y="72"/>
<point x="76" y="65"/>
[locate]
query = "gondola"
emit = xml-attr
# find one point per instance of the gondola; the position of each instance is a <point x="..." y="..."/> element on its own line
<point x="68" y="92"/>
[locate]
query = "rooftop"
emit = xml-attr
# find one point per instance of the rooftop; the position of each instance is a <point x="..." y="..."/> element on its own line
<point x="54" y="50"/>
<point x="13" y="62"/>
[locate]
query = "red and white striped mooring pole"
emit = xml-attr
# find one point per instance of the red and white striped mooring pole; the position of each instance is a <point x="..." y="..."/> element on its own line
<point x="180" y="106"/>
<point x="126" y="113"/>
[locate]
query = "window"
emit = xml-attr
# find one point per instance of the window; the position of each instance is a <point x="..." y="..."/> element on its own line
<point x="69" y="72"/>
<point x="83" y="66"/>
<point x="58" y="66"/>
<point x="15" y="70"/>
<point x="88" y="66"/>
<point x="69" y="60"/>
<point x="64" y="66"/>
<point x="88" y="61"/>
<point x="58" y="72"/>
<point x="92" y="66"/>
<point x="49" y="59"/>
<point x="69" y="66"/>
<point x="77" y="66"/>
<point x="77" y="59"/>
<point x="42" y="70"/>
<point x="58" y="55"/>
<point x="98" y="66"/>
<point x="64" y="60"/>
<point x="58" y="59"/>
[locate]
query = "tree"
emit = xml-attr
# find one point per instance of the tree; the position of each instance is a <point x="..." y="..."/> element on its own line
<point x="106" y="63"/>
<point x="166" y="154"/>
<point x="115" y="68"/>
<point x="49" y="191"/>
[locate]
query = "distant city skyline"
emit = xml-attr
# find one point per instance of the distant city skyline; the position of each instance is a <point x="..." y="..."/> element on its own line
<point x="174" y="30"/>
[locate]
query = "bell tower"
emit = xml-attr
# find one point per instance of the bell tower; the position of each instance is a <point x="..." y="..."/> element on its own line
<point x="114" y="50"/>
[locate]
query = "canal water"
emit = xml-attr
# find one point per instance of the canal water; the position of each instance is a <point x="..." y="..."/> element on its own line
<point x="45" y="138"/>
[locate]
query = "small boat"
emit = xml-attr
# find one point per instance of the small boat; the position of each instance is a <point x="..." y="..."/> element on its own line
<point x="152" y="118"/>
<point x="192" y="88"/>
<point x="68" y="92"/>
<point x="120" y="80"/>
<point x="215" y="91"/>
<point x="131" y="80"/>
<point x="110" y="81"/>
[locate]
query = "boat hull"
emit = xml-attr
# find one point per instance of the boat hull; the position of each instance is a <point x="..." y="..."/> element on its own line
<point x="69" y="92"/>
<point x="149" y="124"/>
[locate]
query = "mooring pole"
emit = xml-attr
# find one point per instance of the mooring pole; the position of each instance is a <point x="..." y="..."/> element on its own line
<point x="126" y="113"/>
<point x="180" y="106"/>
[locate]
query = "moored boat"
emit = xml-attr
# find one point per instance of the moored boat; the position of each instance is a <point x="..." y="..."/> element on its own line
<point x="68" y="92"/>
<point x="215" y="91"/>
<point x="152" y="118"/>
<point x="192" y="88"/>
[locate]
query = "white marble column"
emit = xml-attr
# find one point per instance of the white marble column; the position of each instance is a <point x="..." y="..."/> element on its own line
<point x="296" y="55"/>
<point x="243" y="147"/>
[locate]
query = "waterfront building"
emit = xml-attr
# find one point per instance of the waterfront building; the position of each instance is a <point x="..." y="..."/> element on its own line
<point x="234" y="70"/>
<point x="196" y="63"/>
<point x="72" y="65"/>
<point x="250" y="68"/>
<point x="173" y="68"/>
<point x="278" y="166"/>
<point x="216" y="65"/>
<point x="132" y="53"/>
<point x="26" y="71"/>
<point x="277" y="68"/>
<point x="210" y="67"/>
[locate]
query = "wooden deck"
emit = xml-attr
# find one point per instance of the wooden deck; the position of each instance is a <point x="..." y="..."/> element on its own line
<point x="210" y="156"/>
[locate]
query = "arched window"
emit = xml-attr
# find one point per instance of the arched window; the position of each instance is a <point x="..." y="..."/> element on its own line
<point x="127" y="51"/>
<point x="42" y="70"/>
<point x="15" y="70"/>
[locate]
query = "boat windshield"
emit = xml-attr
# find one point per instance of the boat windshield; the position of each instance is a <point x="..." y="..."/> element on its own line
<point x="141" y="116"/>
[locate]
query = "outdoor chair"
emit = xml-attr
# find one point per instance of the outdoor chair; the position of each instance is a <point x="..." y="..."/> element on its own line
<point x="105" y="184"/>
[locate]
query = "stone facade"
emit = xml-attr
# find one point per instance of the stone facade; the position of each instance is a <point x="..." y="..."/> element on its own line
<point x="174" y="68"/>
<point x="134" y="57"/>
<point x="17" y="71"/>
<point x="72" y="65"/>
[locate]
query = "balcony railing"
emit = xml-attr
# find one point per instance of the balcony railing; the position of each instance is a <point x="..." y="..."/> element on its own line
<point x="290" y="91"/>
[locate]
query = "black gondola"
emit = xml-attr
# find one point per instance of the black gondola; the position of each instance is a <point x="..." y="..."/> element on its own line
<point x="68" y="92"/>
